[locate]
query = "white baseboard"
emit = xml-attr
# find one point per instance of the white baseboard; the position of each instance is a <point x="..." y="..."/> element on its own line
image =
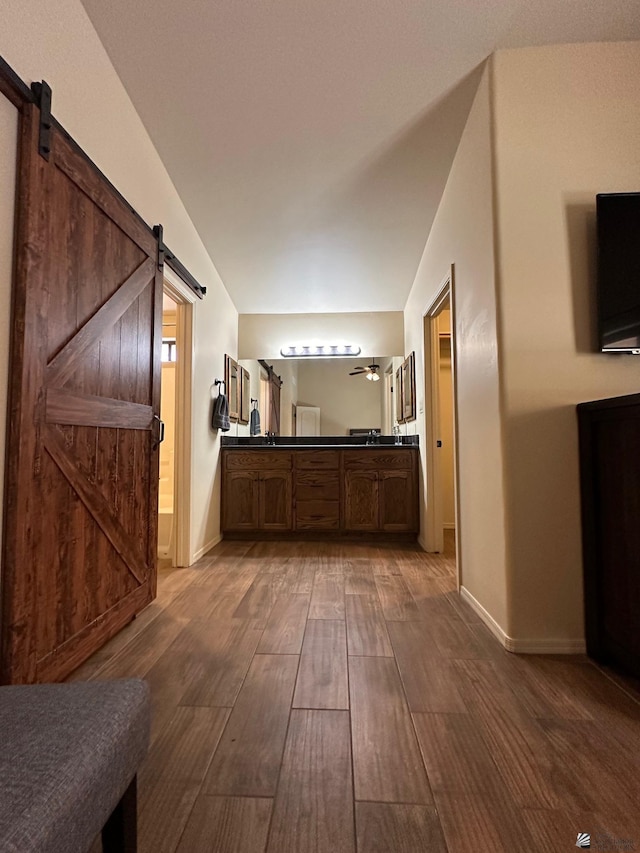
<point x="523" y="646"/>
<point x="207" y="547"/>
<point x="486" y="617"/>
<point x="546" y="647"/>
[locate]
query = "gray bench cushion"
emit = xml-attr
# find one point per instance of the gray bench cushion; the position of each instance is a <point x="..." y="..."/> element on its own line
<point x="67" y="754"/>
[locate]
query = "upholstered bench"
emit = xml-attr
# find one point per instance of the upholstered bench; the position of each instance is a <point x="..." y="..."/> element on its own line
<point x="69" y="755"/>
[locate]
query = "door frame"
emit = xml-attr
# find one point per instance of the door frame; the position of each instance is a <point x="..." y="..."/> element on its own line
<point x="389" y="401"/>
<point x="433" y="535"/>
<point x="185" y="298"/>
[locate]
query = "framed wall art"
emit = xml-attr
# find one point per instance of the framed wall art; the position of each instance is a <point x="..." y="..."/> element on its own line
<point x="409" y="388"/>
<point x="398" y="401"/>
<point x="232" y="383"/>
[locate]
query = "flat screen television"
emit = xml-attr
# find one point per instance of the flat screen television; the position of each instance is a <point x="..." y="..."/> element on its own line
<point x="618" y="225"/>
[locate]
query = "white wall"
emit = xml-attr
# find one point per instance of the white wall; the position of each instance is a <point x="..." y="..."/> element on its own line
<point x="345" y="401"/>
<point x="55" y="41"/>
<point x="567" y="127"/>
<point x="462" y="233"/>
<point x="263" y="335"/>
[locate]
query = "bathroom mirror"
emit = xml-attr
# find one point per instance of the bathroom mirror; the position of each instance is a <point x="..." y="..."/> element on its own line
<point x="346" y="403"/>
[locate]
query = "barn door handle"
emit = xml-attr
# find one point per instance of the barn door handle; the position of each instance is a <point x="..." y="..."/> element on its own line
<point x="160" y="434"/>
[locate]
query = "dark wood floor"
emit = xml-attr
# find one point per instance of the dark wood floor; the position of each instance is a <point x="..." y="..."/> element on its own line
<point x="331" y="698"/>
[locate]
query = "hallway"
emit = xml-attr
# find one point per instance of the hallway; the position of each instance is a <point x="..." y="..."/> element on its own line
<point x="335" y="697"/>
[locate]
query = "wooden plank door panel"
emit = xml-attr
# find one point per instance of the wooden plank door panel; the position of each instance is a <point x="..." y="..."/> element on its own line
<point x="79" y="551"/>
<point x="274" y="403"/>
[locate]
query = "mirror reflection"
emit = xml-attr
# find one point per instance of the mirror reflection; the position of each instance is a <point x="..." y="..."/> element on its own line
<point x="322" y="396"/>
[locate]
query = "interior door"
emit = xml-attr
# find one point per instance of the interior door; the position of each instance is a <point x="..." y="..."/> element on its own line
<point x="82" y="478"/>
<point x="274" y="403"/>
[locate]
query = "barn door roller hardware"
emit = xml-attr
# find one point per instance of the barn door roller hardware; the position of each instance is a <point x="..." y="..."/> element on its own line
<point x="165" y="255"/>
<point x="18" y="93"/>
<point x="42" y="91"/>
<point x="157" y="230"/>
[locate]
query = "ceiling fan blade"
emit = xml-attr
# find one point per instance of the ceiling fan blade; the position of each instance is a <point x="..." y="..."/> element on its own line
<point x="359" y="371"/>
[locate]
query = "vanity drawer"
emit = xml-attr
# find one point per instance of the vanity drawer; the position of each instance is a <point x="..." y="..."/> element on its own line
<point x="317" y="515"/>
<point x="317" y="485"/>
<point x="257" y="460"/>
<point x="380" y="459"/>
<point x="317" y="460"/>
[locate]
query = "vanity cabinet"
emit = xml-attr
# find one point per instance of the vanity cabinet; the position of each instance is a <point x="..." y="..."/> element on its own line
<point x="307" y="491"/>
<point x="380" y="491"/>
<point x="317" y="489"/>
<point x="257" y="491"/>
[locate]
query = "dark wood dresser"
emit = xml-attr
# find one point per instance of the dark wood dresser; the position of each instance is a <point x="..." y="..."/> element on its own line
<point x="610" y="485"/>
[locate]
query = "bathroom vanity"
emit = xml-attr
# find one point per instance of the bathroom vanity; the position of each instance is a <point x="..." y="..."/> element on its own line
<point x="301" y="490"/>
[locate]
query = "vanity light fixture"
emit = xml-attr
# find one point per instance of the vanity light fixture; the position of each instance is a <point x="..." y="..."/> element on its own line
<point x="320" y="351"/>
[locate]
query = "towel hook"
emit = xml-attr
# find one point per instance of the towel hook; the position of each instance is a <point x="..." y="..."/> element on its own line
<point x="223" y="383"/>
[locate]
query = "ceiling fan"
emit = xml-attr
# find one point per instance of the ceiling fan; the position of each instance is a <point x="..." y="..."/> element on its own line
<point x="370" y="371"/>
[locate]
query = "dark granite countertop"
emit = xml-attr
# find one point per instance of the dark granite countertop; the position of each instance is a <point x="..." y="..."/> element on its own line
<point x="351" y="442"/>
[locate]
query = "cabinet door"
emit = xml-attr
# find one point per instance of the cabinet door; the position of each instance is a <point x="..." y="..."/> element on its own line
<point x="275" y="500"/>
<point x="396" y="497"/>
<point x="361" y="500"/>
<point x="241" y="500"/>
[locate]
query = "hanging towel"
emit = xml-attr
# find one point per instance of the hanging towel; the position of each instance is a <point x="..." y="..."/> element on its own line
<point x="254" y="422"/>
<point x="220" y="418"/>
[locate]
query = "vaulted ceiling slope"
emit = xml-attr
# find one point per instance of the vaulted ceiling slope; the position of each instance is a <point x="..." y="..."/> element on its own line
<point x="311" y="140"/>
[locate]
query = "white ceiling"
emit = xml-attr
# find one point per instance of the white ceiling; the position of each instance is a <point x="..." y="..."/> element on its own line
<point x="310" y="140"/>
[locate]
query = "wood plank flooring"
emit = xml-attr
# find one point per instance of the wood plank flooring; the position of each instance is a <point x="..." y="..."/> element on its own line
<point x="341" y="698"/>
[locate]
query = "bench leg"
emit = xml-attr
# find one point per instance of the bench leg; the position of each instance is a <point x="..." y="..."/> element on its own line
<point x="120" y="832"/>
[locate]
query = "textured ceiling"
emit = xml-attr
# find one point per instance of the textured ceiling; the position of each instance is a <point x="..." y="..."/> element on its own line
<point x="310" y="140"/>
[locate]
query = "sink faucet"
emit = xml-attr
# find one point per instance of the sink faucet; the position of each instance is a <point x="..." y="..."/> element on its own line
<point x="269" y="437"/>
<point x="373" y="437"/>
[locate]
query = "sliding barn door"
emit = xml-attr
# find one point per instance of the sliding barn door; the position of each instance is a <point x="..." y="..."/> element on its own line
<point x="274" y="402"/>
<point x="82" y="477"/>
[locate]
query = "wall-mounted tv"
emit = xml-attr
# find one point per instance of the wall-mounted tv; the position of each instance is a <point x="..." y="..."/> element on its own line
<point x="618" y="217"/>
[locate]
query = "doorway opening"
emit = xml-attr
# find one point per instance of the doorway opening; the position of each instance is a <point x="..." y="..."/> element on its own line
<point x="174" y="493"/>
<point x="166" y="486"/>
<point x="443" y="518"/>
<point x="265" y="401"/>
